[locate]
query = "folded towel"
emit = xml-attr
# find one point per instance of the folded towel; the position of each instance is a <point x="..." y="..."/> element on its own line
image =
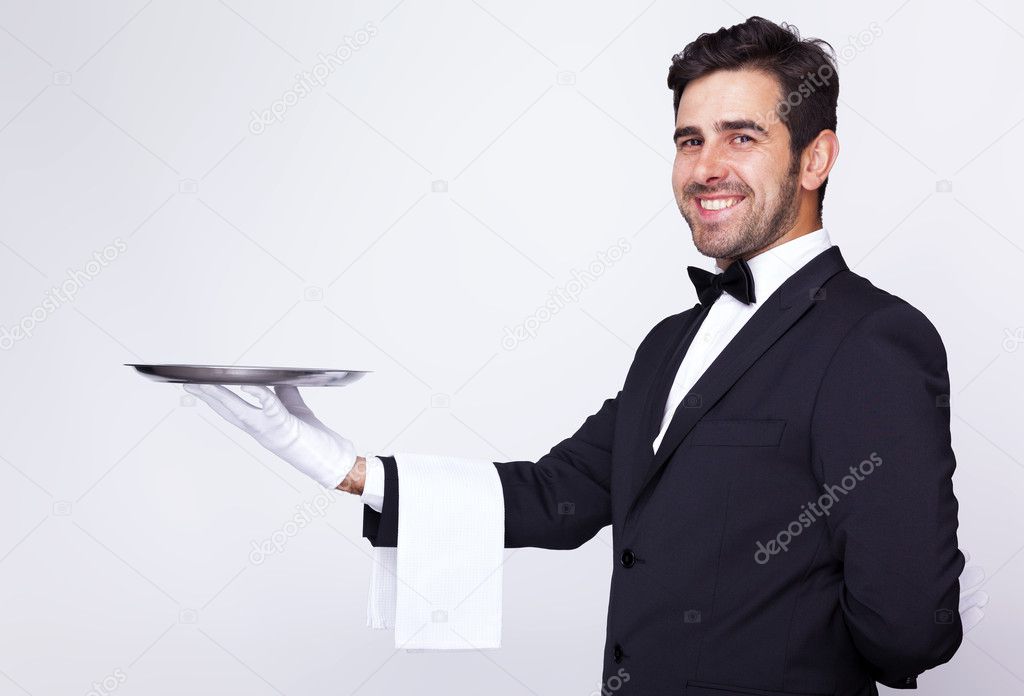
<point x="440" y="589"/>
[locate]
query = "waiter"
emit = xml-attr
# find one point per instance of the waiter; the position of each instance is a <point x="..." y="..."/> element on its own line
<point x="776" y="466"/>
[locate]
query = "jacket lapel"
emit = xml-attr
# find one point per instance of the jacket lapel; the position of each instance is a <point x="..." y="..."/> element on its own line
<point x="657" y="394"/>
<point x="771" y="320"/>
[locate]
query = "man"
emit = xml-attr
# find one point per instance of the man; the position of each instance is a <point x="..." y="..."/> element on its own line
<point x="777" y="465"/>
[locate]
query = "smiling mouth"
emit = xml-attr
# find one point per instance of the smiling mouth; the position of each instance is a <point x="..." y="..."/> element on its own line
<point x="718" y="203"/>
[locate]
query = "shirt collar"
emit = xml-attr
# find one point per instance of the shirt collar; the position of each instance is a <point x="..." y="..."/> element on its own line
<point x="773" y="267"/>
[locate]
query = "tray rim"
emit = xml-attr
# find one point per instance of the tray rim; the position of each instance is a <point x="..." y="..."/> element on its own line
<point x="247" y="367"/>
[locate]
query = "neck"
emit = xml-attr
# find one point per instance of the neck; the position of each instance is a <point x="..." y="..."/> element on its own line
<point x="802" y="227"/>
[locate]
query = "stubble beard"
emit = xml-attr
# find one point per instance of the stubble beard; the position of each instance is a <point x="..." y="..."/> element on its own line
<point x="758" y="228"/>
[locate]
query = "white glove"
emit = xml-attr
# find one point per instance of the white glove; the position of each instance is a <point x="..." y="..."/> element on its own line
<point x="285" y="425"/>
<point x="971" y="600"/>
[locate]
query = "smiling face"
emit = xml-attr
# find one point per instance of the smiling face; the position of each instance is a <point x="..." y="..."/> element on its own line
<point x="734" y="179"/>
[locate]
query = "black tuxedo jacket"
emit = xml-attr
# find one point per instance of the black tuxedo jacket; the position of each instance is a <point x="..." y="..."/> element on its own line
<point x="795" y="532"/>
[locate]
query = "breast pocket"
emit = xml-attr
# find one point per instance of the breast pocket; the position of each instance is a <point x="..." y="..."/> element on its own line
<point x="738" y="432"/>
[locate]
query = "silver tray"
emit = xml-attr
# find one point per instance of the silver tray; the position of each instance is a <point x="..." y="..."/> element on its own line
<point x="239" y="374"/>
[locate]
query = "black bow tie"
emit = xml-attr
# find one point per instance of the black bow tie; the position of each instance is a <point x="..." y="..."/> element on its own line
<point x="737" y="280"/>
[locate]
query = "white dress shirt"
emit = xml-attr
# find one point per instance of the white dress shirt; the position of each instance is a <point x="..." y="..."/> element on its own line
<point x="728" y="315"/>
<point x="725" y="319"/>
<point x="373" y="485"/>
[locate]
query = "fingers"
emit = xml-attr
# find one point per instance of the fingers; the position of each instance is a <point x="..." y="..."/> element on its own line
<point x="971" y="618"/>
<point x="215" y="405"/>
<point x="974" y="599"/>
<point x="228" y="399"/>
<point x="972" y="576"/>
<point x="272" y="407"/>
<point x="264" y="396"/>
<point x="237" y="410"/>
<point x="289" y="396"/>
<point x="971" y="602"/>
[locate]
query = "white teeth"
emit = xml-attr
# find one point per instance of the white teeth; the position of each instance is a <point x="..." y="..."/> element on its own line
<point x="718" y="203"/>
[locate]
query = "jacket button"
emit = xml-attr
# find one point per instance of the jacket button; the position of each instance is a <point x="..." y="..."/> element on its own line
<point x="617" y="653"/>
<point x="628" y="558"/>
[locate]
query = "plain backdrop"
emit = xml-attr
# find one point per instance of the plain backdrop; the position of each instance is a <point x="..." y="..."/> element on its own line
<point x="458" y="169"/>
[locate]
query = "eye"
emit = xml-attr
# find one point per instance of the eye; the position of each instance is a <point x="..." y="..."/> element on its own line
<point x="743" y="135"/>
<point x="684" y="143"/>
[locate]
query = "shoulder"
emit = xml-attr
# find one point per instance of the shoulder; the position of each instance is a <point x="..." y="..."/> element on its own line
<point x="870" y="310"/>
<point x="878" y="329"/>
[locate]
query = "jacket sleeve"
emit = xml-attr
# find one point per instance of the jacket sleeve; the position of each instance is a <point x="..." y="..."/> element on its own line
<point x="563" y="499"/>
<point x="558" y="502"/>
<point x="881" y="445"/>
<point x="381" y="528"/>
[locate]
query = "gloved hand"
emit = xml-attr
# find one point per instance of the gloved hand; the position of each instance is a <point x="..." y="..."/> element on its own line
<point x="285" y="425"/>
<point x="971" y="600"/>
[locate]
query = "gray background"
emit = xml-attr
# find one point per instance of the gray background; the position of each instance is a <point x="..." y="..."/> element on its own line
<point x="128" y="513"/>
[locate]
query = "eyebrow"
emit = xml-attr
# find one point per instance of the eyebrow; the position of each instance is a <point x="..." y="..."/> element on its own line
<point x="720" y="126"/>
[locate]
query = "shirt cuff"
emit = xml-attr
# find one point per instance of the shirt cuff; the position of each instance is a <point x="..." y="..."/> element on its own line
<point x="373" y="485"/>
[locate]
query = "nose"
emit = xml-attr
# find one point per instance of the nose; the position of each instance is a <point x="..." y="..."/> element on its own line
<point x="710" y="165"/>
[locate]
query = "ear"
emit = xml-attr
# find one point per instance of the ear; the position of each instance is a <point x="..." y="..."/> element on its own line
<point x="817" y="159"/>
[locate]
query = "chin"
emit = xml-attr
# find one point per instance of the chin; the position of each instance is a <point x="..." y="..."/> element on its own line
<point x="712" y="243"/>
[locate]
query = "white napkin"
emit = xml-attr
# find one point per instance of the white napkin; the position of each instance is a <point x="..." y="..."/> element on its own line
<point x="440" y="589"/>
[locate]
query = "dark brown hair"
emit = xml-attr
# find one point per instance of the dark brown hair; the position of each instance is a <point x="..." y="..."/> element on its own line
<point x="806" y="73"/>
